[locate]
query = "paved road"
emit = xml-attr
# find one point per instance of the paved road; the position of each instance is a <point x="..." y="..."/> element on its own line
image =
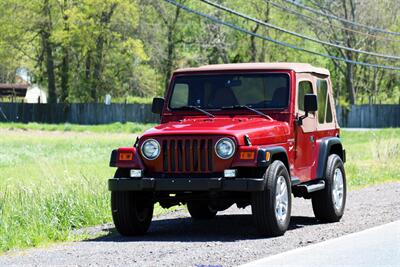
<point x="228" y="240"/>
<point x="378" y="246"/>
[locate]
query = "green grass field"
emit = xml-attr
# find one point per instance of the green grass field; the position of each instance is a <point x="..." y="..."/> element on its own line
<point x="67" y="127"/>
<point x="54" y="181"/>
<point x="372" y="156"/>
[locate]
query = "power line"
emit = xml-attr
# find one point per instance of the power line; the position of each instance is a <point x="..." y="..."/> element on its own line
<point x="233" y="26"/>
<point x="316" y="21"/>
<point x="231" y="11"/>
<point x="341" y="19"/>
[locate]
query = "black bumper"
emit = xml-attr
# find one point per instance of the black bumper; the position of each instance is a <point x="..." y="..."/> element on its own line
<point x="187" y="184"/>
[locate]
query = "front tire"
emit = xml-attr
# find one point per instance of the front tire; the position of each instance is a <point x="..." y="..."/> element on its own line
<point x="201" y="210"/>
<point x="329" y="204"/>
<point x="132" y="211"/>
<point x="271" y="208"/>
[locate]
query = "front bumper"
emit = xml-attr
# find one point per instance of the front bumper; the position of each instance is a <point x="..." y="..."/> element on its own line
<point x="187" y="184"/>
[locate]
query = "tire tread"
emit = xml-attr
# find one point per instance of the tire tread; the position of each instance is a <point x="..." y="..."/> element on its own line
<point x="322" y="202"/>
<point x="123" y="211"/>
<point x="263" y="213"/>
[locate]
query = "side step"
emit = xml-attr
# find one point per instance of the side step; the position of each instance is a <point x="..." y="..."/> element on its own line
<point x="295" y="180"/>
<point x="315" y="187"/>
<point x="304" y="190"/>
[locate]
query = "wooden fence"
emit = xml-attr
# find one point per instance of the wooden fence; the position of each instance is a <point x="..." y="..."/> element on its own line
<point x="90" y="113"/>
<point x="369" y="116"/>
<point x="358" y="116"/>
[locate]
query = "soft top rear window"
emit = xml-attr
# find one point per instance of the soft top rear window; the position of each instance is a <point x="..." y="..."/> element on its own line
<point x="216" y="91"/>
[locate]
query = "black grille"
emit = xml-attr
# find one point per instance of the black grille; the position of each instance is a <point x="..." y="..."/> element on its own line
<point x="187" y="155"/>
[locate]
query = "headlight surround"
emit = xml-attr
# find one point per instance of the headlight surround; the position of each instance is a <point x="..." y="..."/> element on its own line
<point x="150" y="149"/>
<point x="225" y="148"/>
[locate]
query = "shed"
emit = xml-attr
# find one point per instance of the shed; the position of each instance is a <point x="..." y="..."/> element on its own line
<point x="13" y="90"/>
<point x="35" y="95"/>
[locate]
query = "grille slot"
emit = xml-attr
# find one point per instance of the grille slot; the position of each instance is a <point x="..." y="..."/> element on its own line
<point x="172" y="152"/>
<point x="203" y="155"/>
<point x="165" y="154"/>
<point x="180" y="155"/>
<point x="187" y="155"/>
<point x="195" y="150"/>
<point x="209" y="154"/>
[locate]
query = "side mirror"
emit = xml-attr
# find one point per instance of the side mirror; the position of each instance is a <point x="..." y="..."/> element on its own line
<point x="310" y="103"/>
<point x="158" y="105"/>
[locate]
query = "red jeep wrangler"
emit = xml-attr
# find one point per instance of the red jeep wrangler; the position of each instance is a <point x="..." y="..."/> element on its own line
<point x="250" y="134"/>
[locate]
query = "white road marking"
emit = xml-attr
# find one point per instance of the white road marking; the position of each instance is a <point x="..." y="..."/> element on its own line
<point x="378" y="246"/>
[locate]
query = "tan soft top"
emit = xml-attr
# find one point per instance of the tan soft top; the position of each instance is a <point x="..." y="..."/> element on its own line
<point x="297" y="67"/>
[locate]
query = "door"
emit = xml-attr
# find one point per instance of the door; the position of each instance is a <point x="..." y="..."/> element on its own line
<point x="326" y="116"/>
<point x="305" y="134"/>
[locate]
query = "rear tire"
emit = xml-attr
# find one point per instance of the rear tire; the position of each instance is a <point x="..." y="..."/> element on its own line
<point x="271" y="208"/>
<point x="132" y="212"/>
<point x="200" y="210"/>
<point x="329" y="204"/>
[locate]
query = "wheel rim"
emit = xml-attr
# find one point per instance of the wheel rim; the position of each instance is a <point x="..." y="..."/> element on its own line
<point x="337" y="189"/>
<point x="281" y="199"/>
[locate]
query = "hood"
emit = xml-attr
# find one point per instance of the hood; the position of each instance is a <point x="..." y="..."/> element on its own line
<point x="261" y="130"/>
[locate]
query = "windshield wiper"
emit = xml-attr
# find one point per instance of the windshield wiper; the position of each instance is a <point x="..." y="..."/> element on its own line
<point x="248" y="108"/>
<point x="198" y="109"/>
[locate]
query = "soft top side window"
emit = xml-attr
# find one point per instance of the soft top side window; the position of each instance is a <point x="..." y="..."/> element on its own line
<point x="324" y="103"/>
<point x="305" y="87"/>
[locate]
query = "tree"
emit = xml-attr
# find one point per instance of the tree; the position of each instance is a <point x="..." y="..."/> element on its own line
<point x="348" y="34"/>
<point x="83" y="49"/>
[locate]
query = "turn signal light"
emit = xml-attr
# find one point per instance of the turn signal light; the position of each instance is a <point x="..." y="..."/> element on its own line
<point x="247" y="155"/>
<point x="125" y="156"/>
<point x="267" y="156"/>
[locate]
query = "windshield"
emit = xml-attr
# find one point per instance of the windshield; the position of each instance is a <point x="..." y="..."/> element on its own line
<point x="265" y="90"/>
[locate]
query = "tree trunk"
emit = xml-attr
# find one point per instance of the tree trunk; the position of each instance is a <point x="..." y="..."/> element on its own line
<point x="88" y="66"/>
<point x="98" y="62"/>
<point x="51" y="81"/>
<point x="170" y="47"/>
<point x="65" y="61"/>
<point x="64" y="76"/>
<point x="253" y="44"/>
<point x="349" y="83"/>
<point x="170" y="57"/>
<point x="97" y="69"/>
<point x="48" y="50"/>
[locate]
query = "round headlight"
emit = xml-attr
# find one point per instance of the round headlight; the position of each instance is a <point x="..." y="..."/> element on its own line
<point x="150" y="149"/>
<point x="225" y="148"/>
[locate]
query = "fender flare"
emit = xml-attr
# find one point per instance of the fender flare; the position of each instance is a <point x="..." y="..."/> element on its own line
<point x="113" y="158"/>
<point x="273" y="150"/>
<point x="324" y="148"/>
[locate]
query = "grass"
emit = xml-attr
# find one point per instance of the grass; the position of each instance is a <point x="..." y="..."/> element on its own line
<point x="372" y="156"/>
<point x="54" y="182"/>
<point x="133" y="100"/>
<point x="117" y="127"/>
<point x="51" y="183"/>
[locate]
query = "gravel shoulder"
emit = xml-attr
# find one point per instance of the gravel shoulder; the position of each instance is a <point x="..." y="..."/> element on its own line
<point x="229" y="240"/>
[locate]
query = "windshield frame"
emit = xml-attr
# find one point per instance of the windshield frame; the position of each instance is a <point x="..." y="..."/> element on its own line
<point x="230" y="111"/>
